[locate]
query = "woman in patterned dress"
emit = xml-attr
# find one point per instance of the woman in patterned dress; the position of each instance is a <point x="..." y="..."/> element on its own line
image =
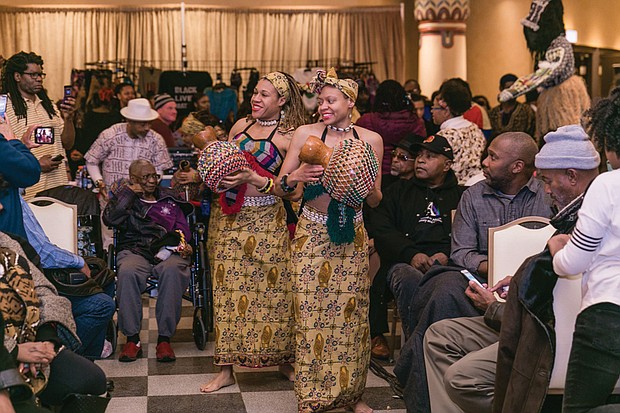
<point x="330" y="279"/>
<point x="252" y="294"/>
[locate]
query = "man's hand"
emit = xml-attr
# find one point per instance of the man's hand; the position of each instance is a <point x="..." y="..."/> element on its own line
<point x="481" y="297"/>
<point x="47" y="165"/>
<point x="67" y="107"/>
<point x="501" y="288"/>
<point x="86" y="270"/>
<point x="36" y="352"/>
<point x="557" y="242"/>
<point x="27" y="137"/>
<point x="421" y="262"/>
<point x="136" y="188"/>
<point x="440" y="257"/>
<point x="186" y="251"/>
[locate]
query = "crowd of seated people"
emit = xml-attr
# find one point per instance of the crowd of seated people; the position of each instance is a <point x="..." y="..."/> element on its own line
<point x="466" y="343"/>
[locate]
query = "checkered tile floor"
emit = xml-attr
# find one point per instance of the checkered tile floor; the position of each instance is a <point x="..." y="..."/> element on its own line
<point x="148" y="386"/>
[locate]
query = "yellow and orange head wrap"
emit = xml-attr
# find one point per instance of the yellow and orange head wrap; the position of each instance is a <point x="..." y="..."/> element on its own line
<point x="346" y="86"/>
<point x="280" y="82"/>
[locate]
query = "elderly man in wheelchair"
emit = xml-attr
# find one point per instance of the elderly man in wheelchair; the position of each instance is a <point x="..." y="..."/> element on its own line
<point x="152" y="227"/>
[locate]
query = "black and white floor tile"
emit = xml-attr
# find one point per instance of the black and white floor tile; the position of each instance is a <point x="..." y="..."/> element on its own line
<point x="146" y="386"/>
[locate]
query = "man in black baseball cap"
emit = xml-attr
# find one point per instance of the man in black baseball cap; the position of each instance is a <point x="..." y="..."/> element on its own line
<point x="412" y="224"/>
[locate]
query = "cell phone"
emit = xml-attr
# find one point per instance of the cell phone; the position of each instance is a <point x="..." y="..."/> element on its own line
<point x="68" y="93"/>
<point x="58" y="157"/>
<point x="471" y="277"/>
<point x="44" y="135"/>
<point x="3" y="99"/>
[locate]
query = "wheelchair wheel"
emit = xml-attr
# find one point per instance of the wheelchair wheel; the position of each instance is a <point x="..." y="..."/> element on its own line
<point x="198" y="330"/>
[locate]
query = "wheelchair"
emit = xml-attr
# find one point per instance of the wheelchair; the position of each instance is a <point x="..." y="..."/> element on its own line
<point x="199" y="292"/>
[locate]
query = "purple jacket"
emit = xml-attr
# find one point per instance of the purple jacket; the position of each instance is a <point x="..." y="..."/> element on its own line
<point x="392" y="127"/>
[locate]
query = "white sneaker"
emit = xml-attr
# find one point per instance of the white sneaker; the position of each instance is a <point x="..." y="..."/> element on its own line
<point x="107" y="350"/>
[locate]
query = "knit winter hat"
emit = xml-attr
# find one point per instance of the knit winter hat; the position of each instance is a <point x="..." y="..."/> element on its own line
<point x="569" y="147"/>
<point x="160" y="100"/>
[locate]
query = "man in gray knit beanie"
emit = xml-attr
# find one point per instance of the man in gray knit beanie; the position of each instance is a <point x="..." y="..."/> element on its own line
<point x="567" y="163"/>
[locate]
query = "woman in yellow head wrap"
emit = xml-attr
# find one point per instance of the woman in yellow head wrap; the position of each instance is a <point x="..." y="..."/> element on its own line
<point x="252" y="283"/>
<point x="330" y="278"/>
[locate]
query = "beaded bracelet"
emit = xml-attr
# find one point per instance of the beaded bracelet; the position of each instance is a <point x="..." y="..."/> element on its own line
<point x="265" y="189"/>
<point x="284" y="185"/>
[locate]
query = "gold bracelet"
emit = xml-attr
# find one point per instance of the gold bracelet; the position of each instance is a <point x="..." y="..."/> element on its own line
<point x="267" y="187"/>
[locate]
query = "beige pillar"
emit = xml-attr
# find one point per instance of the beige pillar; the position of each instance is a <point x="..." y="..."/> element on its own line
<point x="443" y="48"/>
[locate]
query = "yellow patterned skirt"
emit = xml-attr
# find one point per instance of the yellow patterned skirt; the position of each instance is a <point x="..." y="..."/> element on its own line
<point x="214" y="219"/>
<point x="252" y="294"/>
<point x="330" y="285"/>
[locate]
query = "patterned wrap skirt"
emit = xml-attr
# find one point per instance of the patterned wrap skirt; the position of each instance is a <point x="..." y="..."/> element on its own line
<point x="330" y="287"/>
<point x="252" y="294"/>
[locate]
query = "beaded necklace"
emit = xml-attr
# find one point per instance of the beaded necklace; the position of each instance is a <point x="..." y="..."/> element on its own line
<point x="272" y="122"/>
<point x="337" y="129"/>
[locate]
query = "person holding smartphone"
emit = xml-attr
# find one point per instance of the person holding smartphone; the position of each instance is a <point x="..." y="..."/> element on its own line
<point x="29" y="105"/>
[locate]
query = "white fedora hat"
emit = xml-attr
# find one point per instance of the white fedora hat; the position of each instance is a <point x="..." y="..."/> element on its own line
<point x="139" y="110"/>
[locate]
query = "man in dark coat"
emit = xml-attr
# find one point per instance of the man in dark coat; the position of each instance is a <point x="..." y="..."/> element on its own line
<point x="152" y="229"/>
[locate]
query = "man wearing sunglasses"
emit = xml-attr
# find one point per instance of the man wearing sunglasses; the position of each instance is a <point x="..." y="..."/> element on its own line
<point x="152" y="229"/>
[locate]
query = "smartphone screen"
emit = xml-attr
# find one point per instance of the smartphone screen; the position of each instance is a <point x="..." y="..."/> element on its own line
<point x="44" y="135"/>
<point x="3" y="99"/>
<point x="471" y="277"/>
<point x="68" y="93"/>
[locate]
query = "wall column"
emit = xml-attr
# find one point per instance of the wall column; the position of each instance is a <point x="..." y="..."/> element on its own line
<point x="443" y="47"/>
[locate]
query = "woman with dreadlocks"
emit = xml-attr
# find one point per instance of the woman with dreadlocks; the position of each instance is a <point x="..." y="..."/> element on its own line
<point x="252" y="283"/>
<point x="563" y="95"/>
<point x="593" y="249"/>
<point x="28" y="106"/>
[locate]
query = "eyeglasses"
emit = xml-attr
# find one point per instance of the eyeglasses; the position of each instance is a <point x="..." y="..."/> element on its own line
<point x="146" y="178"/>
<point x="437" y="108"/>
<point x="35" y="75"/>
<point x="401" y="157"/>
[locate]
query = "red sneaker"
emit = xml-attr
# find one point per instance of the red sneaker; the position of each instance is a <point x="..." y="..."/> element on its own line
<point x="164" y="352"/>
<point x="131" y="352"/>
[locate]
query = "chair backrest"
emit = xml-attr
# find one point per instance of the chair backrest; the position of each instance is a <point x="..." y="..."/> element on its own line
<point x="511" y="243"/>
<point x="58" y="220"/>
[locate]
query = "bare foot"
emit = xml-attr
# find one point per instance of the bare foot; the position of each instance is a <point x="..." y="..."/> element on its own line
<point x="287" y="371"/>
<point x="361" y="407"/>
<point x="223" y="379"/>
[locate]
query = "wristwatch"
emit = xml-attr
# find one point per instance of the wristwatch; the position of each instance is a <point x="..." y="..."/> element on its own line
<point x="99" y="183"/>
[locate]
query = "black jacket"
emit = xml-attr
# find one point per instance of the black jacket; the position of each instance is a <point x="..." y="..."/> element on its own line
<point x="136" y="232"/>
<point x="405" y="223"/>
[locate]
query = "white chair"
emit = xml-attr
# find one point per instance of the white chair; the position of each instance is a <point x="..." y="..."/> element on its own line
<point x="59" y="221"/>
<point x="509" y="246"/>
<point x="511" y="243"/>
